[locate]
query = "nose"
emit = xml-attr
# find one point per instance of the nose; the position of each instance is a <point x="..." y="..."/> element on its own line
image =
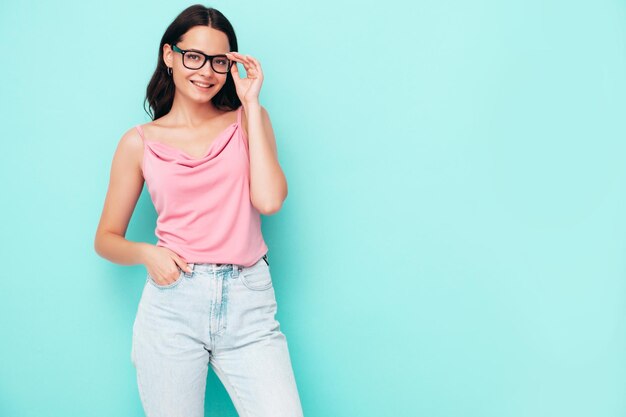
<point x="206" y="68"/>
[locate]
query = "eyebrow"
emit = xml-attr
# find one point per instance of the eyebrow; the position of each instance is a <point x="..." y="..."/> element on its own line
<point x="202" y="52"/>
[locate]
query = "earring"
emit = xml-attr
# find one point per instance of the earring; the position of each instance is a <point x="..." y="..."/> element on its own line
<point x="169" y="71"/>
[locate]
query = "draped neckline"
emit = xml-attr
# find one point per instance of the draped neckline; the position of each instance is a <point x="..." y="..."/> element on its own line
<point x="186" y="154"/>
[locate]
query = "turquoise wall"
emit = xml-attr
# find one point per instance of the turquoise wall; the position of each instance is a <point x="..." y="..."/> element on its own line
<point x="454" y="239"/>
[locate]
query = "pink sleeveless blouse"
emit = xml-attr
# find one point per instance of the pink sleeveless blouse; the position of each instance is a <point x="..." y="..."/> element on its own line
<point x="203" y="204"/>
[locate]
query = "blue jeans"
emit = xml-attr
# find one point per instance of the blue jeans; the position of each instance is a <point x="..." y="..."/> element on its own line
<point x="221" y="315"/>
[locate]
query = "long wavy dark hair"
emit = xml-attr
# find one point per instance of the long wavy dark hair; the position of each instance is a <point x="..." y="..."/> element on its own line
<point x="160" y="91"/>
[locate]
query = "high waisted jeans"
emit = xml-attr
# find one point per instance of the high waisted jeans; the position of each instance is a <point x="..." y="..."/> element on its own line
<point x="218" y="314"/>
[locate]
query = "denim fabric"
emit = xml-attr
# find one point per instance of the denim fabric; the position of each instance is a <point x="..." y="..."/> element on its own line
<point x="222" y="315"/>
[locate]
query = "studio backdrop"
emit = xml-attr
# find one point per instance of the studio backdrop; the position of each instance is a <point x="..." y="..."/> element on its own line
<point x="453" y="242"/>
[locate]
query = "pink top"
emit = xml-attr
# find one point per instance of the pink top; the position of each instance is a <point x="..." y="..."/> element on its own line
<point x="203" y="204"/>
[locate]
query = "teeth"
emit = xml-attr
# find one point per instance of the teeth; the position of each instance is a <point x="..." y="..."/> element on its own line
<point x="201" y="85"/>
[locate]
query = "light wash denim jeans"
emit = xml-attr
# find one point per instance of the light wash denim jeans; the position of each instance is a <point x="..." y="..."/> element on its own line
<point x="221" y="315"/>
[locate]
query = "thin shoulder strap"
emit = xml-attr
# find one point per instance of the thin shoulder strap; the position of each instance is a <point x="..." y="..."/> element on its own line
<point x="140" y="130"/>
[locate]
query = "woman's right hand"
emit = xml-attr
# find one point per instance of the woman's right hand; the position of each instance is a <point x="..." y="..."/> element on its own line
<point x="163" y="264"/>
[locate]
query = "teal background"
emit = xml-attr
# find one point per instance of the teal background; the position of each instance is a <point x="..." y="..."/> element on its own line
<point x="454" y="239"/>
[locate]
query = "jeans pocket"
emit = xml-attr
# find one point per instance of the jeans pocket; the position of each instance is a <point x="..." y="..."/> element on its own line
<point x="257" y="277"/>
<point x="181" y="275"/>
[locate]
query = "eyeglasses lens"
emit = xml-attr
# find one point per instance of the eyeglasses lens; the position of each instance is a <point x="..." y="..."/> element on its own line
<point x="219" y="63"/>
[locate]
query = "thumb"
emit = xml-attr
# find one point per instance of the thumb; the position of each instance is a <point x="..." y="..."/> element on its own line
<point x="235" y="72"/>
<point x="182" y="264"/>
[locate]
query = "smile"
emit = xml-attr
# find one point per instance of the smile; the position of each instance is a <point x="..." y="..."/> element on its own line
<point x="202" y="86"/>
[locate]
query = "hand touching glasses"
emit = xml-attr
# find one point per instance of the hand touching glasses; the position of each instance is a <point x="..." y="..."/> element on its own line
<point x="248" y="88"/>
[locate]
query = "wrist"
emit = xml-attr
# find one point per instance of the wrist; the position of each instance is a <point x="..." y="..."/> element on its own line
<point x="251" y="103"/>
<point x="142" y="252"/>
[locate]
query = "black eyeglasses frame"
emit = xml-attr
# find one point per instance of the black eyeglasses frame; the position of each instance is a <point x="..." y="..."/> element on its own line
<point x="206" y="57"/>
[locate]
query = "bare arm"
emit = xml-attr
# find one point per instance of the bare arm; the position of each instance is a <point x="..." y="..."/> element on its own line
<point x="125" y="185"/>
<point x="268" y="185"/>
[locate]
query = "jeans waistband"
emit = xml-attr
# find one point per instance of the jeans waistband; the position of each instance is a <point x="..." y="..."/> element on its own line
<point x="208" y="266"/>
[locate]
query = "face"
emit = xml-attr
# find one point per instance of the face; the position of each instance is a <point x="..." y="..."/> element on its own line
<point x="204" y="39"/>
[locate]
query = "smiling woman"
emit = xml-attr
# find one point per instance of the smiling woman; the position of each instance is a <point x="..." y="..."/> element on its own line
<point x="210" y="164"/>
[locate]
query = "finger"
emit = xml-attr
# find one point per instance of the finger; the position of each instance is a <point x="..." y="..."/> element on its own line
<point x="255" y="61"/>
<point x="244" y="59"/>
<point x="247" y="62"/>
<point x="164" y="280"/>
<point x="234" y="69"/>
<point x="235" y="56"/>
<point x="257" y="65"/>
<point x="182" y="264"/>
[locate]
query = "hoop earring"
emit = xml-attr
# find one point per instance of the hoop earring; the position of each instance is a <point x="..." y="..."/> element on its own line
<point x="169" y="71"/>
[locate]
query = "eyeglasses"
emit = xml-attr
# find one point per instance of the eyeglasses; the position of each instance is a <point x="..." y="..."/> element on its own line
<point x="195" y="60"/>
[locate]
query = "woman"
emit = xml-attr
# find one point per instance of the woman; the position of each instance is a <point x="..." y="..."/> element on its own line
<point x="210" y="164"/>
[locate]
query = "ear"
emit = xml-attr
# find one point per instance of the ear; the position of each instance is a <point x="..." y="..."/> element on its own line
<point x="168" y="55"/>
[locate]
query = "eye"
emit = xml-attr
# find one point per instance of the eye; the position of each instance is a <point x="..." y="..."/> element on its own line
<point x="193" y="57"/>
<point x="221" y="61"/>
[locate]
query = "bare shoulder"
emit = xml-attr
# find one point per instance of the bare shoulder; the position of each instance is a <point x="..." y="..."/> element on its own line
<point x="130" y="148"/>
<point x="132" y="139"/>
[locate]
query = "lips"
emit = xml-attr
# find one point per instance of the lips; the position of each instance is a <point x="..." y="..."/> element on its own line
<point x="194" y="82"/>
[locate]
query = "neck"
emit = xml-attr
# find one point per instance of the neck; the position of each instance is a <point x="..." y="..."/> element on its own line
<point x="192" y="114"/>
